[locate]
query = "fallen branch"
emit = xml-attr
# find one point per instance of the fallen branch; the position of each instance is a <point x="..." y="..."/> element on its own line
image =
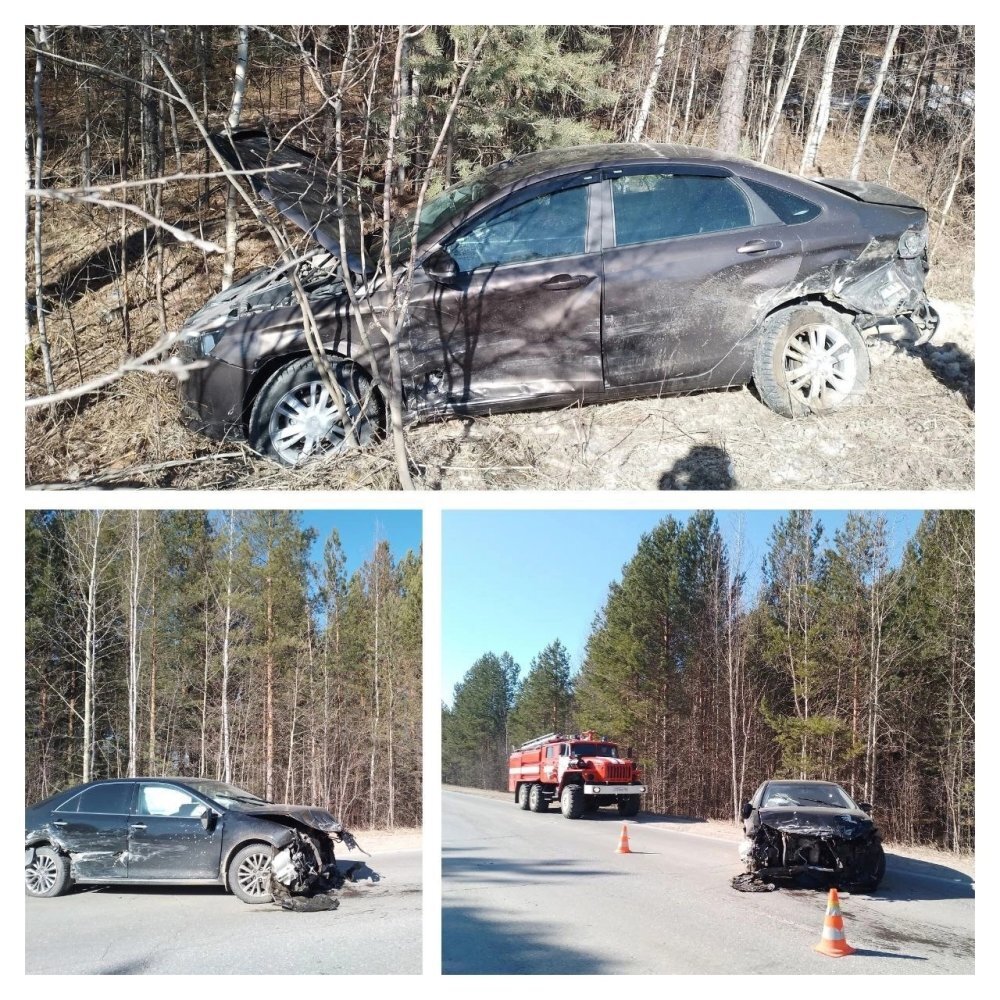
<point x="137" y="470"/>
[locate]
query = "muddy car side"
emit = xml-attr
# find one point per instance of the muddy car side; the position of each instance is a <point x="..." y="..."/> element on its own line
<point x="684" y="270"/>
<point x="160" y="832"/>
<point x="811" y="832"/>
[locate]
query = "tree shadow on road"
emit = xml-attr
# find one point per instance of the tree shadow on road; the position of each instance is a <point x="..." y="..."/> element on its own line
<point x="473" y="944"/>
<point x="704" y="467"/>
<point x="909" y="879"/>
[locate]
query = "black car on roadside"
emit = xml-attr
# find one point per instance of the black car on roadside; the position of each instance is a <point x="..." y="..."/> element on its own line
<point x="811" y="831"/>
<point x="580" y="274"/>
<point x="176" y="831"/>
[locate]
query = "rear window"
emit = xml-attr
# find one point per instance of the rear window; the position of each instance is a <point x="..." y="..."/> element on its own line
<point x="790" y="208"/>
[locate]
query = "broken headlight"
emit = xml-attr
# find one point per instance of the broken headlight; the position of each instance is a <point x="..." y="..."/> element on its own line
<point x="912" y="243"/>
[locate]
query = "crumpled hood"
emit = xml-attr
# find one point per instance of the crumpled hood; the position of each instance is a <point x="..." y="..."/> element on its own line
<point x="847" y="824"/>
<point x="302" y="188"/>
<point x="874" y="194"/>
<point x="318" y="819"/>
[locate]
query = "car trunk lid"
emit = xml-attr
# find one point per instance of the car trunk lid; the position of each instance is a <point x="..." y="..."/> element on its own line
<point x="873" y="194"/>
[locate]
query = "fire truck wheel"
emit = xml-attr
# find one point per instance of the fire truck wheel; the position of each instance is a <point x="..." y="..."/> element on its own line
<point x="571" y="801"/>
<point x="628" y="805"/>
<point x="537" y="801"/>
<point x="522" y="795"/>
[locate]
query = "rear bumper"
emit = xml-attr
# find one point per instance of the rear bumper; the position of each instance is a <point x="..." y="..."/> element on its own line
<point x="614" y="789"/>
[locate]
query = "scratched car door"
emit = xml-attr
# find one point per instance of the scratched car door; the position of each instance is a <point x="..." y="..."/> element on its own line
<point x="167" y="838"/>
<point x="94" y="827"/>
<point x="522" y="318"/>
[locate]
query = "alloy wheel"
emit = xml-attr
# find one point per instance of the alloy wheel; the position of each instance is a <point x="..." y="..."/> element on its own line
<point x="254" y="874"/>
<point x="41" y="874"/>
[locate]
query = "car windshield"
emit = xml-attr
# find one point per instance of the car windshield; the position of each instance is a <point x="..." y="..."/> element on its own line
<point x="224" y="793"/>
<point x="797" y="793"/>
<point x="448" y="205"/>
<point x="594" y="750"/>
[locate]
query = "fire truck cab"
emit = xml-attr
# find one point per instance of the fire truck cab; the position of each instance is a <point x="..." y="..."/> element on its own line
<point x="582" y="773"/>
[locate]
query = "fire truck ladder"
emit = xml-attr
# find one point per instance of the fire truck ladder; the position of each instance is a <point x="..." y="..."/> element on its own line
<point x="540" y="741"/>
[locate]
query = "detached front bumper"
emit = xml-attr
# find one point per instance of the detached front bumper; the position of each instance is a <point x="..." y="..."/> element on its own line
<point x="614" y="789"/>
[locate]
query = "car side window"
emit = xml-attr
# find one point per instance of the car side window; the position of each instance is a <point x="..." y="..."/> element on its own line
<point x="107" y="799"/>
<point x="166" y="800"/>
<point x="661" y="206"/>
<point x="788" y="207"/>
<point x="551" y="225"/>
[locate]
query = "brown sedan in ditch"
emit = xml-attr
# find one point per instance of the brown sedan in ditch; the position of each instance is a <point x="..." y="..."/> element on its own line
<point x="582" y="274"/>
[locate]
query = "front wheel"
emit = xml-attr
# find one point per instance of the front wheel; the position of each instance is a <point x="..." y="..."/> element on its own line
<point x="295" y="420"/>
<point x="809" y="359"/>
<point x="571" y="801"/>
<point x="46" y="873"/>
<point x="250" y="873"/>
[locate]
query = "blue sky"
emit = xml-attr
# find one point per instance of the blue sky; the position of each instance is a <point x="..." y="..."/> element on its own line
<point x="359" y="530"/>
<point x="516" y="580"/>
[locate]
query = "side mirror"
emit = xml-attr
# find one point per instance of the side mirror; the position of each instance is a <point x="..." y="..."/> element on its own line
<point x="865" y="807"/>
<point x="208" y="819"/>
<point x="442" y="267"/>
<point x="746" y="810"/>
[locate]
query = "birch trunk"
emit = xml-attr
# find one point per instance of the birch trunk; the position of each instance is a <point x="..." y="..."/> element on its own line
<point x="779" y="98"/>
<point x="233" y="123"/>
<point x="821" y="109"/>
<point x="647" y="97"/>
<point x="734" y="90"/>
<point x="876" y="94"/>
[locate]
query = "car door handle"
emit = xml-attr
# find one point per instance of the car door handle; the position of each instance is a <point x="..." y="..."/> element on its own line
<point x="561" y="281"/>
<point x="759" y="246"/>
<point x="60" y="822"/>
<point x="137" y="826"/>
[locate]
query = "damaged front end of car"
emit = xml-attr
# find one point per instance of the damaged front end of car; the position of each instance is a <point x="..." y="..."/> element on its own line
<point x="843" y="850"/>
<point x="304" y="872"/>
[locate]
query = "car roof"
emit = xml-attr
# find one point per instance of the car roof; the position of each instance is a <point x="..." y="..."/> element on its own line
<point x="603" y="155"/>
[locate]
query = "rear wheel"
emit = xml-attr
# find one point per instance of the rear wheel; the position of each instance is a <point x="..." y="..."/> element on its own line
<point x="628" y="805"/>
<point x="571" y="801"/>
<point x="809" y="359"/>
<point x="295" y="419"/>
<point x="523" y="791"/>
<point x="47" y="873"/>
<point x="537" y="801"/>
<point x="250" y="873"/>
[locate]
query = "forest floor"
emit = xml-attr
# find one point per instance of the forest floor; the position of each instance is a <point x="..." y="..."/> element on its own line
<point x="721" y="829"/>
<point x="913" y="430"/>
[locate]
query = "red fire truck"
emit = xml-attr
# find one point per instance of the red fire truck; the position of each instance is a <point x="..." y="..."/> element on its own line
<point x="582" y="773"/>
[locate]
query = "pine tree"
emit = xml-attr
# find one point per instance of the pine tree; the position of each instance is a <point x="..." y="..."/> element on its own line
<point x="544" y="701"/>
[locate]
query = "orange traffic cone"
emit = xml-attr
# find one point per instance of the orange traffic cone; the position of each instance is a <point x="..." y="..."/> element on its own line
<point x="623" y="847"/>
<point x="833" y="942"/>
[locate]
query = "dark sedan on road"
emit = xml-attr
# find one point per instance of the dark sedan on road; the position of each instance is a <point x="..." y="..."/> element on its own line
<point x="580" y="274"/>
<point x="813" y="831"/>
<point x="177" y="831"/>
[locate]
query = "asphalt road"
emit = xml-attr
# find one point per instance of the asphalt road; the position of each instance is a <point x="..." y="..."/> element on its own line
<point x="537" y="893"/>
<point x="377" y="929"/>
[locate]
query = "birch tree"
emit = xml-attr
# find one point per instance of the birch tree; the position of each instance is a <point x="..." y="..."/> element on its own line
<point x="654" y="75"/>
<point x="734" y="89"/>
<point x="873" y="101"/>
<point x="821" y="105"/>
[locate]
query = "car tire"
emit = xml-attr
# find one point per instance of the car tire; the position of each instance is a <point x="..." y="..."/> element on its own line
<point x="294" y="418"/>
<point x="876" y="880"/>
<point x="537" y="801"/>
<point x="47" y="874"/>
<point x="571" y="801"/>
<point x="523" y="792"/>
<point x="810" y="359"/>
<point x="628" y="805"/>
<point x="249" y="873"/>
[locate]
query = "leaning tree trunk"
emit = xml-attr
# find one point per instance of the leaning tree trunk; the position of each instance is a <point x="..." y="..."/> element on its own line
<point x="821" y="110"/>
<point x="779" y="98"/>
<point x="233" y="123"/>
<point x="876" y="93"/>
<point x="734" y="90"/>
<point x="647" y="97"/>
